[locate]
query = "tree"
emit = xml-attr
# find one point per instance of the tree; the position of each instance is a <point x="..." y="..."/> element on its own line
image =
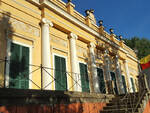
<point x="141" y="44"/>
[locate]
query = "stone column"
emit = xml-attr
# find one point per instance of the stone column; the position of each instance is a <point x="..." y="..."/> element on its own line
<point x="46" y="56"/>
<point x="128" y="76"/>
<point x="74" y="61"/>
<point x="94" y="68"/>
<point x="109" y="86"/>
<point x="119" y="76"/>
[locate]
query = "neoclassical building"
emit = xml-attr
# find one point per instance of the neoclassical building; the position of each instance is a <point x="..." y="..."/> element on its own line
<point x="48" y="44"/>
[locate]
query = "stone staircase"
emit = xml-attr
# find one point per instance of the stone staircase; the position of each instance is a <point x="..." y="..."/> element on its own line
<point x="127" y="103"/>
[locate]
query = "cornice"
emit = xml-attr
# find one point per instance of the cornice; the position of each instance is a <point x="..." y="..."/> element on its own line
<point x="133" y="58"/>
<point x="60" y="11"/>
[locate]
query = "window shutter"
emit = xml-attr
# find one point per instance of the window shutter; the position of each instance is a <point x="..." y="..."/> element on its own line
<point x="101" y="80"/>
<point x="25" y="68"/>
<point x="133" y="87"/>
<point x="113" y="77"/>
<point x="124" y="84"/>
<point x="60" y="73"/>
<point x="57" y="73"/>
<point x="84" y="77"/>
<point x="63" y="75"/>
<point x="14" y="67"/>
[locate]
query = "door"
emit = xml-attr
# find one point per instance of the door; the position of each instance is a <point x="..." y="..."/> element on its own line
<point x="124" y="84"/>
<point x="101" y="80"/>
<point x="113" y="78"/>
<point x="60" y="73"/>
<point x="84" y="77"/>
<point x="19" y="67"/>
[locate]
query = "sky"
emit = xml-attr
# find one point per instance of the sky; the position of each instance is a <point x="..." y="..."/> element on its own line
<point x="128" y="18"/>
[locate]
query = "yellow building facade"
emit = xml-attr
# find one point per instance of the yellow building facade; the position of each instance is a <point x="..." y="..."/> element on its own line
<point x="47" y="44"/>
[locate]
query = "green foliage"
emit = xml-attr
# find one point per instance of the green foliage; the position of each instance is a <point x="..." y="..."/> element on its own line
<point x="141" y="44"/>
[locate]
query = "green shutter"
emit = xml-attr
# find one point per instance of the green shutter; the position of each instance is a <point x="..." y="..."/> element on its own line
<point x="25" y="68"/>
<point x="133" y="87"/>
<point x="60" y="73"/>
<point x="101" y="80"/>
<point x="84" y="77"/>
<point x="124" y="84"/>
<point x="63" y="75"/>
<point x="113" y="78"/>
<point x="19" y="61"/>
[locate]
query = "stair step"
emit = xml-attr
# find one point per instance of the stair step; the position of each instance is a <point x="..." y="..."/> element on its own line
<point x="125" y="103"/>
<point x="120" y="103"/>
<point x="125" y="100"/>
<point x="117" y="112"/>
<point x="127" y="96"/>
<point x="120" y="106"/>
<point x="129" y="110"/>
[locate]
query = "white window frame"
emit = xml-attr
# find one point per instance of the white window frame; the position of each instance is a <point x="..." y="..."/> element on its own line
<point x="9" y="41"/>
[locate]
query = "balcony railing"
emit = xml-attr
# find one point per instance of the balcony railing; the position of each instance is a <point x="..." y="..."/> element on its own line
<point x="28" y="76"/>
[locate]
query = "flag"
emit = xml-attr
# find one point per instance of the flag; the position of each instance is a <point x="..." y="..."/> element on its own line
<point x="145" y="62"/>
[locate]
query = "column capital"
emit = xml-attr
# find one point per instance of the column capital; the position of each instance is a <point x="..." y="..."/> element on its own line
<point x="92" y="45"/>
<point x="125" y="61"/>
<point x="73" y="36"/>
<point x="46" y="21"/>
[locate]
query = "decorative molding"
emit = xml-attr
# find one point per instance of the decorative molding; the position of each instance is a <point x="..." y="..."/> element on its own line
<point x="73" y="19"/>
<point x="92" y="45"/>
<point x="82" y="50"/>
<point x="132" y="70"/>
<point x="60" y="41"/>
<point x="24" y="37"/>
<point x="46" y="21"/>
<point x="2" y="12"/>
<point x="65" y="14"/>
<point x="128" y="55"/>
<point x="62" y="50"/>
<point x="34" y="1"/>
<point x="24" y="27"/>
<point x="74" y="36"/>
<point x="16" y="24"/>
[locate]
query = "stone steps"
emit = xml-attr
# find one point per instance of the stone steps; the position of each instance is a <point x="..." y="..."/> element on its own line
<point x="123" y="104"/>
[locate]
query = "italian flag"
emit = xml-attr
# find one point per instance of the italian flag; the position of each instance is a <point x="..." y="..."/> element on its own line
<point x="145" y="62"/>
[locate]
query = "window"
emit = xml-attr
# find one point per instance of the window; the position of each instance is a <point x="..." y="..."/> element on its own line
<point x="19" y="66"/>
<point x="84" y="77"/>
<point x="102" y="87"/>
<point x="124" y="84"/>
<point x="132" y="83"/>
<point x="60" y="73"/>
<point x="113" y="78"/>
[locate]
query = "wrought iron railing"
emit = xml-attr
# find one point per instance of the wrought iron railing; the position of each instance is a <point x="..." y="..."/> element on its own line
<point x="36" y="81"/>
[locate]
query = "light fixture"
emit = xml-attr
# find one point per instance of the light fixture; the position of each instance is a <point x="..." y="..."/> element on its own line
<point x="111" y="31"/>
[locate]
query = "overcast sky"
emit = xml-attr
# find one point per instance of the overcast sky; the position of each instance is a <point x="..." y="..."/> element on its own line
<point x="128" y="17"/>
